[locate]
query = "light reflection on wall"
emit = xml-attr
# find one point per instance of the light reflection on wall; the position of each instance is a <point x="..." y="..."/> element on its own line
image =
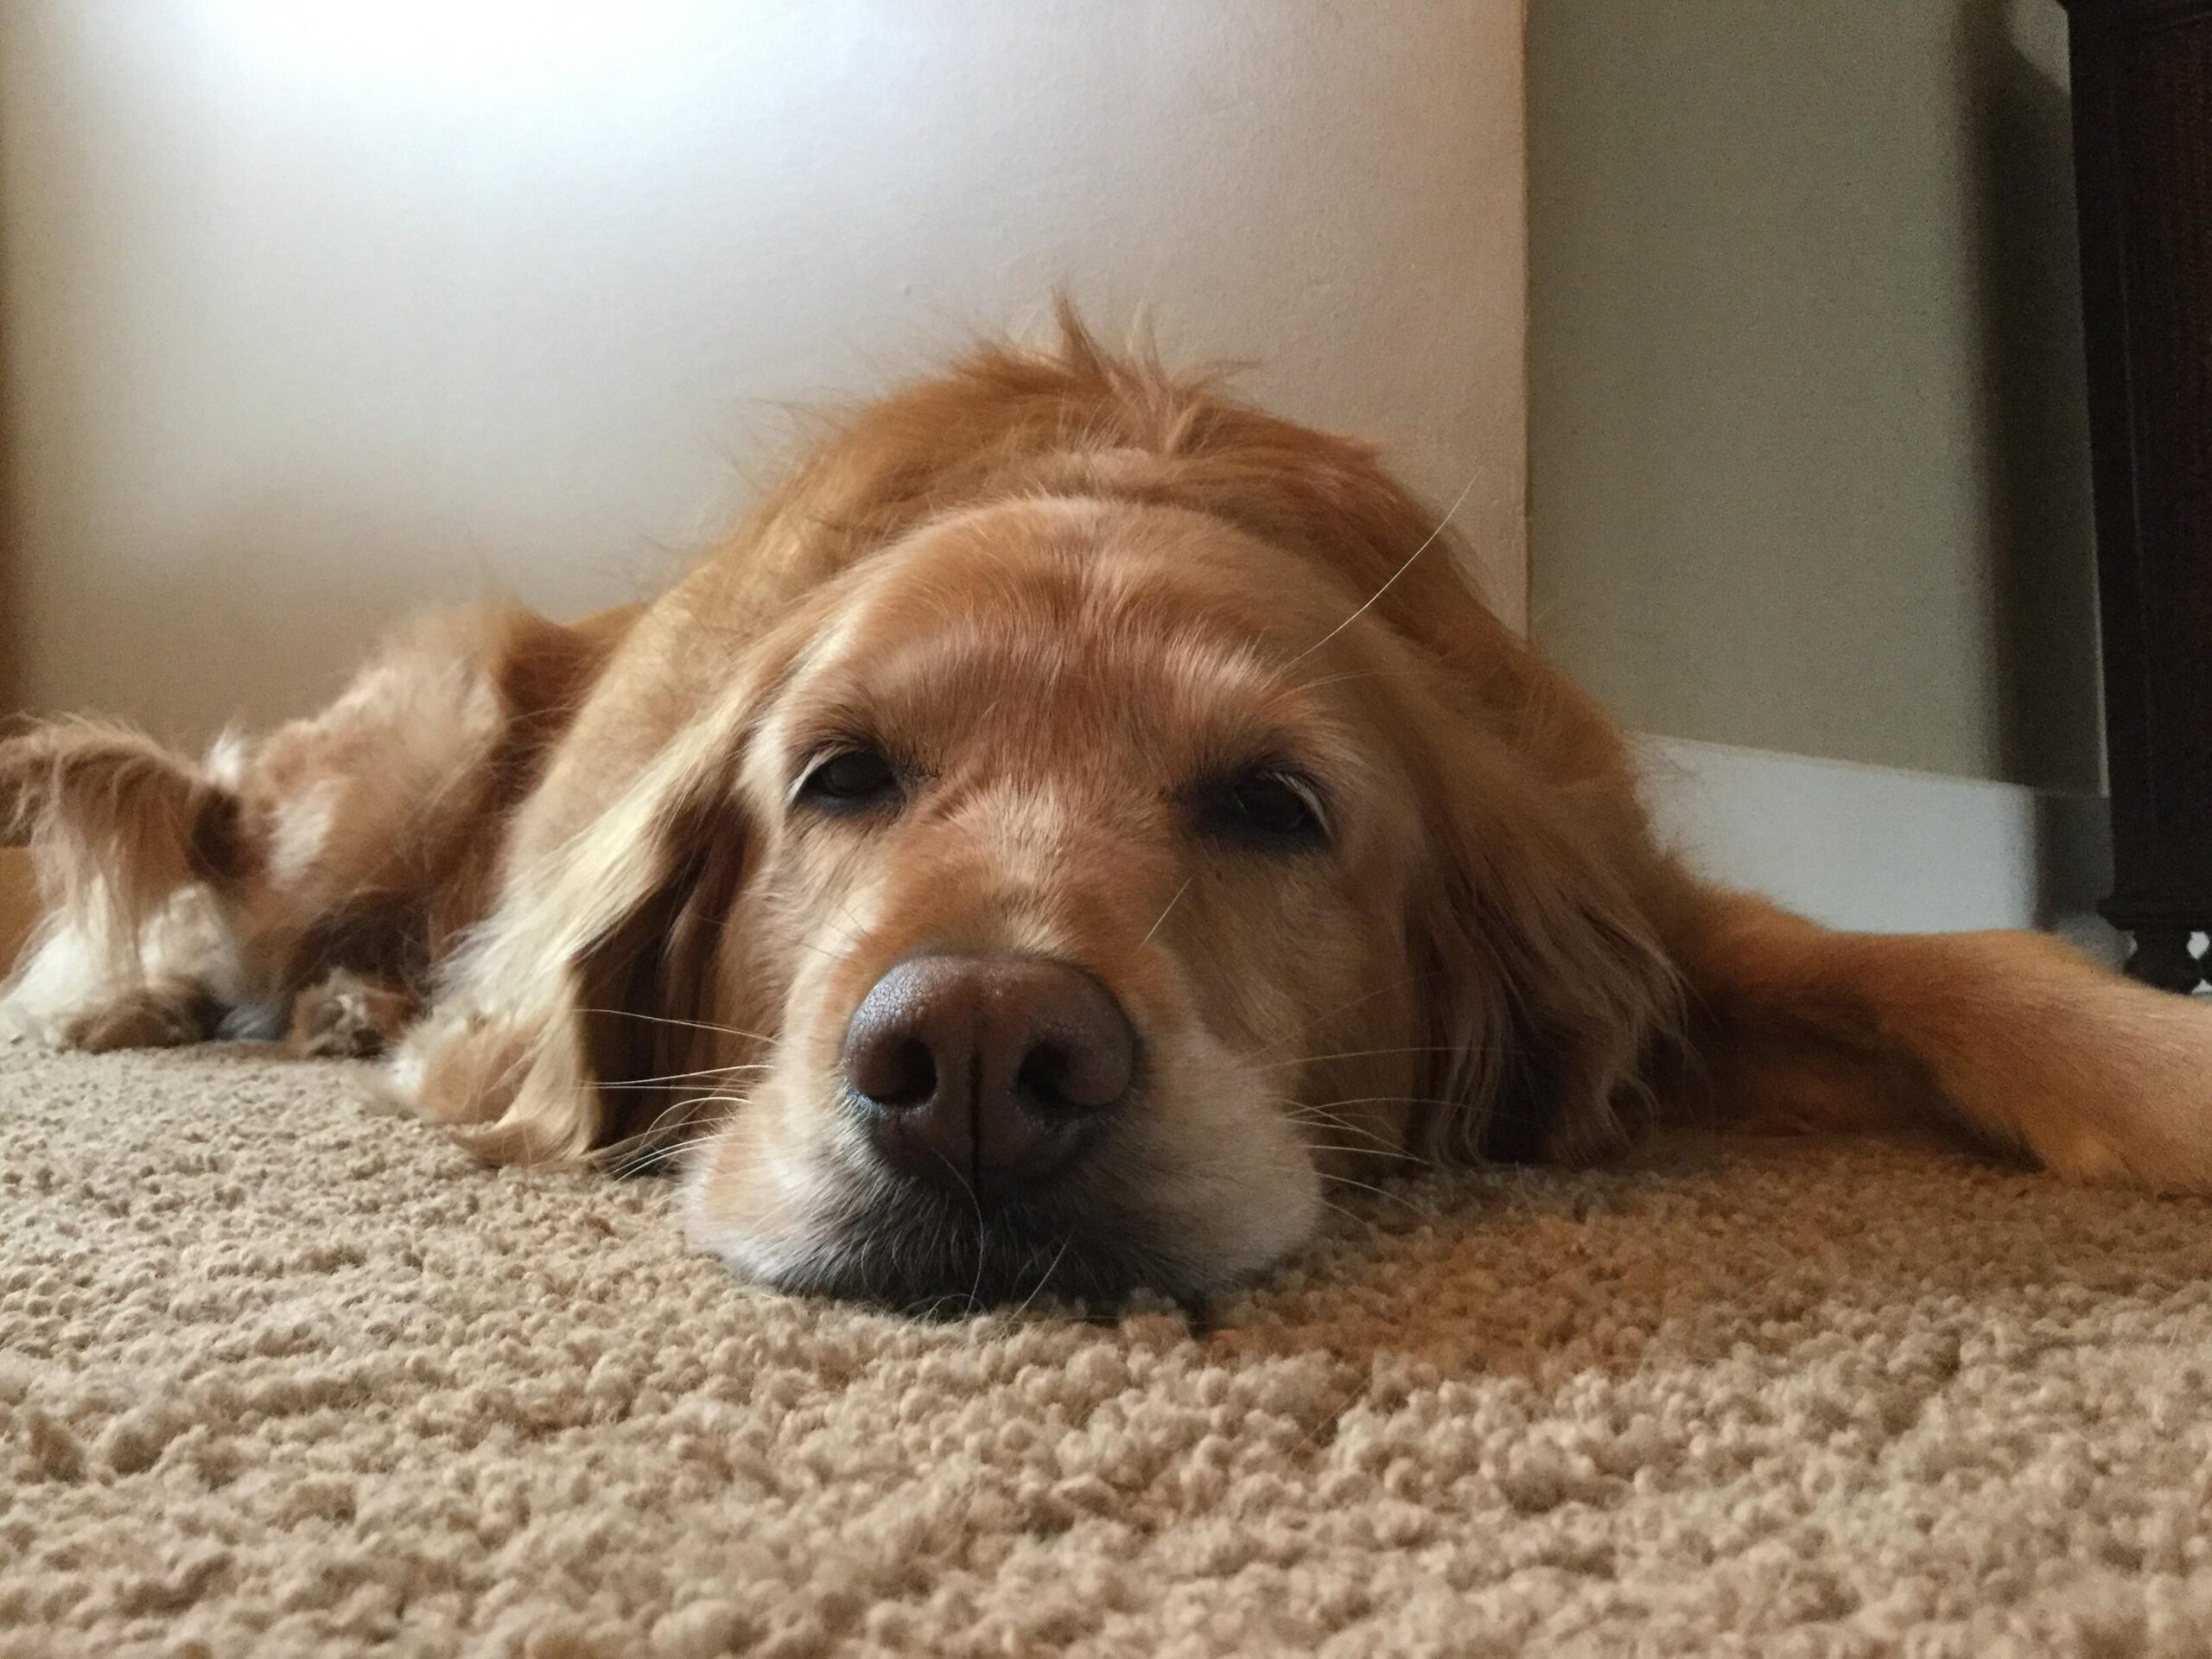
<point x="467" y="46"/>
<point x="317" y="311"/>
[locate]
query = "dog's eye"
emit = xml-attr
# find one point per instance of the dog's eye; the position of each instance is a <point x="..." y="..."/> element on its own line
<point x="1264" y="806"/>
<point x="850" y="780"/>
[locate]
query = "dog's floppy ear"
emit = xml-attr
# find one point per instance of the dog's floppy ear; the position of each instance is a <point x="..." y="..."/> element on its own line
<point x="646" y="988"/>
<point x="1547" y="995"/>
<point x="569" y="1015"/>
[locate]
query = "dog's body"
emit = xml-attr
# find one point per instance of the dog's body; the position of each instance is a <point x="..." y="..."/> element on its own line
<point x="1077" y="820"/>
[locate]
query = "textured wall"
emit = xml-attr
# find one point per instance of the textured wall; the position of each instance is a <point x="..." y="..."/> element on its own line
<point x="1809" y="464"/>
<point x="313" y="312"/>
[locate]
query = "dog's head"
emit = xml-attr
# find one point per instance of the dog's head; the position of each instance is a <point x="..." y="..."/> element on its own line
<point x="1068" y="887"/>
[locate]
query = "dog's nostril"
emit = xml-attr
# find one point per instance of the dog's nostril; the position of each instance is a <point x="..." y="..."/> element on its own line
<point x="1043" y="1076"/>
<point x="1081" y="1076"/>
<point x="904" y="1073"/>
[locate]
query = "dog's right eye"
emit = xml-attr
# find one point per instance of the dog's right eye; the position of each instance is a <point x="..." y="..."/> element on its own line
<point x="1263" y="806"/>
<point x="850" y="780"/>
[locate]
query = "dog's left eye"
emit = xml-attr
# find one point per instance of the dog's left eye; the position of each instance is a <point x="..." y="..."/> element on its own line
<point x="850" y="780"/>
<point x="1263" y="805"/>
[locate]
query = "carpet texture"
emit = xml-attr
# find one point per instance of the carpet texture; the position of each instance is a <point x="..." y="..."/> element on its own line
<point x="282" y="1376"/>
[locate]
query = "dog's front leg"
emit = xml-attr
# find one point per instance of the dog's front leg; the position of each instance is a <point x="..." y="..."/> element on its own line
<point x="2012" y="1036"/>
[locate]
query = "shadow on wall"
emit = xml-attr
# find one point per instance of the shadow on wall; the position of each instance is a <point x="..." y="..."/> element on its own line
<point x="275" y="602"/>
<point x="12" y="689"/>
<point x="2020" y="147"/>
<point x="1809" y="464"/>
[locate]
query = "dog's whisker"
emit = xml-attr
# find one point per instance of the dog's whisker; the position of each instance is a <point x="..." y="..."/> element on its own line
<point x="1388" y="1100"/>
<point x="1360" y="1054"/>
<point x="1351" y="1216"/>
<point x="1162" y="918"/>
<point x="628" y="1156"/>
<point x="1369" y="996"/>
<point x="1354" y="1151"/>
<point x="681" y="1077"/>
<point x="1392" y="580"/>
<point x="680" y="1114"/>
<point x="1384" y="1192"/>
<point x="1046" y="1277"/>
<point x="671" y="1020"/>
<point x="668" y="1130"/>
<point x="1323" y="1112"/>
<point x="1377" y="1144"/>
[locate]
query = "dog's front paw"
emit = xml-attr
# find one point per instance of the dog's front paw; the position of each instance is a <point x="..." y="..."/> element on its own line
<point x="2124" y="1097"/>
<point x="349" y="1016"/>
<point x="143" y="1018"/>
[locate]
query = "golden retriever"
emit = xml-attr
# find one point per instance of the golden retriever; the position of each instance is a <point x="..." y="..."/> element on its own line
<point x="1074" y="821"/>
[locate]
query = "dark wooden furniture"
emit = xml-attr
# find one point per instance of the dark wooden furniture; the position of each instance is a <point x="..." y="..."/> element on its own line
<point x="2142" y="72"/>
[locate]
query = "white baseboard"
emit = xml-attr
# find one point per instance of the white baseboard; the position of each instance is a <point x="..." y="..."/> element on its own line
<point x="1879" y="849"/>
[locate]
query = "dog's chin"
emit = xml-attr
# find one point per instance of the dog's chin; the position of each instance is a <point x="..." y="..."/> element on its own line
<point x="934" y="1252"/>
<point x="926" y="1251"/>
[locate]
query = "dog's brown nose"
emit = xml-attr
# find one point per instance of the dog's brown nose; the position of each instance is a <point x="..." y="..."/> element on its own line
<point x="985" y="1072"/>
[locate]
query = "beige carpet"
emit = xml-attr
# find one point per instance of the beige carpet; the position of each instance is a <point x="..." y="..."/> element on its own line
<point x="279" y="1375"/>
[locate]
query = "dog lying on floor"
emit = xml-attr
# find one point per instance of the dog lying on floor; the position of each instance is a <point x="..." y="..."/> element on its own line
<point x="1075" y="823"/>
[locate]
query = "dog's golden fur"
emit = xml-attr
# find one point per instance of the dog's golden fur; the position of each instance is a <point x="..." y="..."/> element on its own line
<point x="567" y="869"/>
